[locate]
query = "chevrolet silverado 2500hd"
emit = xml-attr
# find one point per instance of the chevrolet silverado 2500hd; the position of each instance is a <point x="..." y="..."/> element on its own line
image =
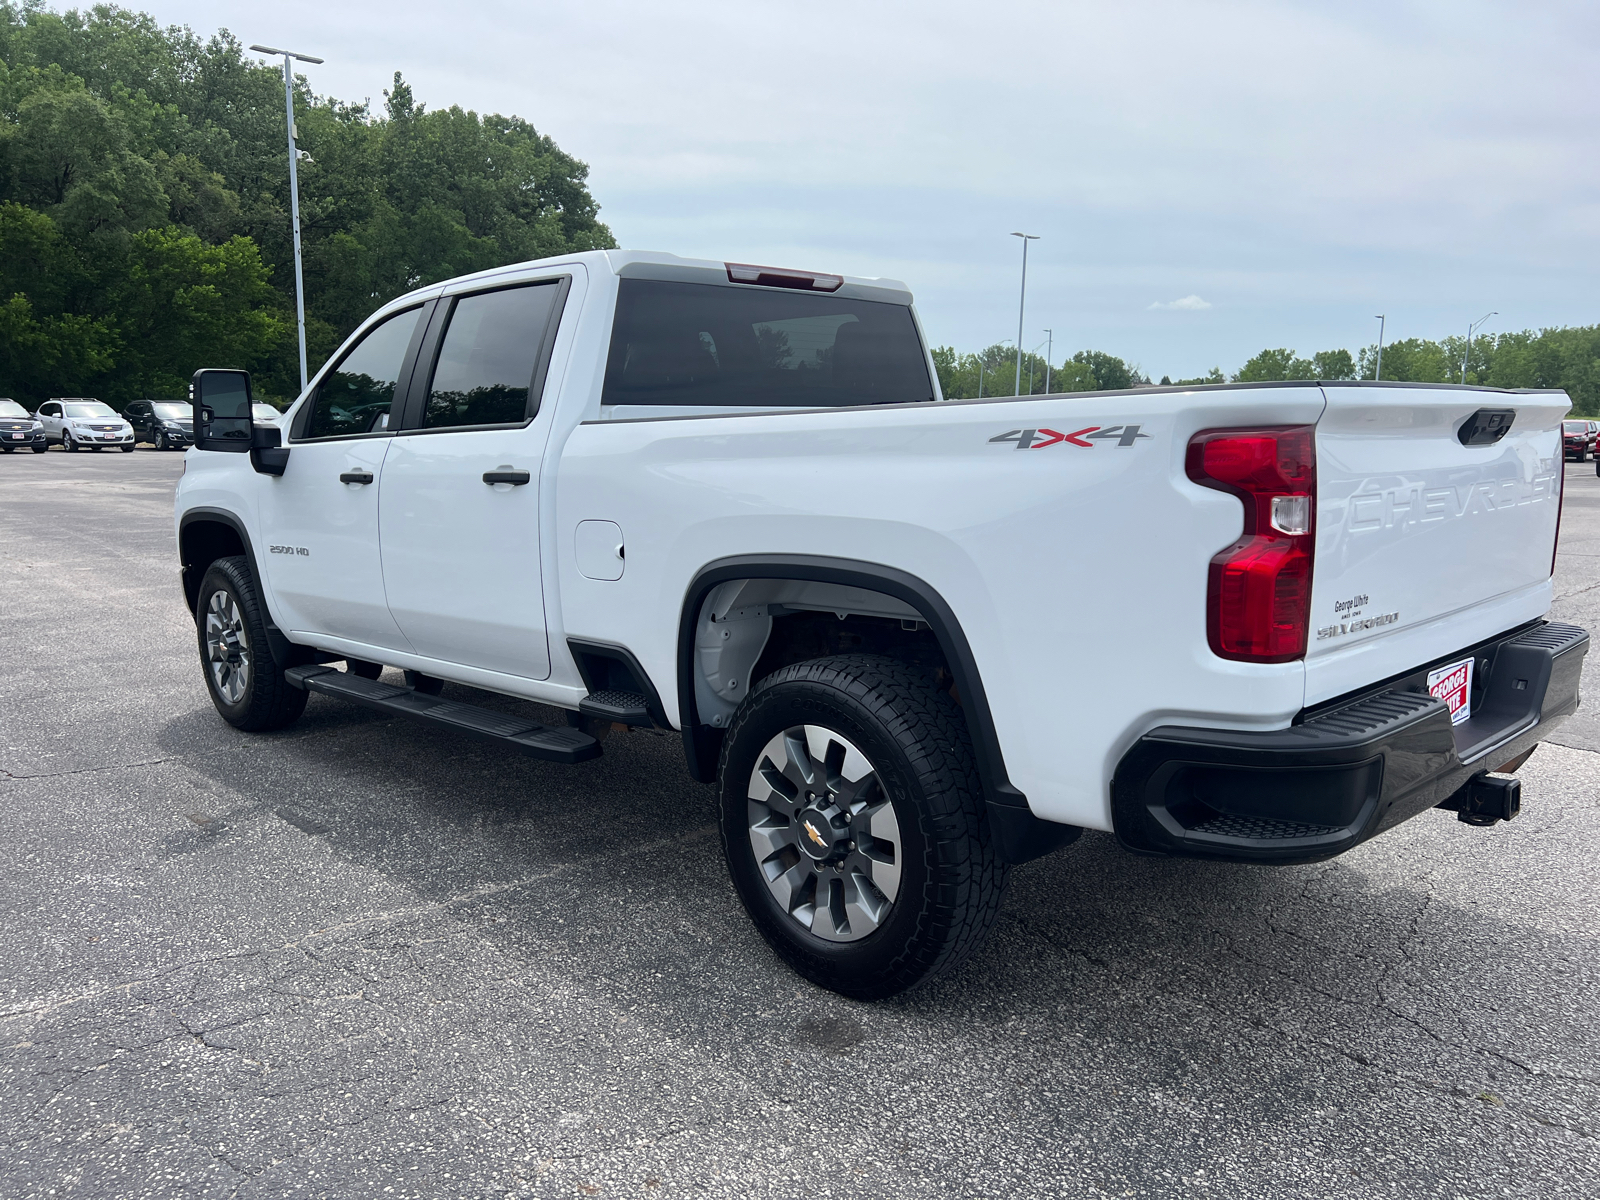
<point x="912" y="641"/>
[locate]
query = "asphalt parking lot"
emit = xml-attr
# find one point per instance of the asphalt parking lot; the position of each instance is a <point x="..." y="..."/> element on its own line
<point x="361" y="958"/>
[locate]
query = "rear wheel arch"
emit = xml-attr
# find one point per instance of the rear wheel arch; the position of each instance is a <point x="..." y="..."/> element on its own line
<point x="703" y="741"/>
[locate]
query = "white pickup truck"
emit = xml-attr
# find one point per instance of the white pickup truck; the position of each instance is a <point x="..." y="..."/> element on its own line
<point x="912" y="641"/>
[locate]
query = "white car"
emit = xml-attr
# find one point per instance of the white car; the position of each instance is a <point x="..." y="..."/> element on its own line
<point x="81" y="423"/>
<point x="911" y="641"/>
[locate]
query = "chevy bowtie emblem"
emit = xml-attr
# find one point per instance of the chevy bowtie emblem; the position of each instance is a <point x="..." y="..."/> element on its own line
<point x="811" y="832"/>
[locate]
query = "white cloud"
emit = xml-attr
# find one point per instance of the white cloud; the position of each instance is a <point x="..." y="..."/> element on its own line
<point x="1184" y="304"/>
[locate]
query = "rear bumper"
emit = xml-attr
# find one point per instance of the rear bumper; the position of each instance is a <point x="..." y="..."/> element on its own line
<point x="1348" y="769"/>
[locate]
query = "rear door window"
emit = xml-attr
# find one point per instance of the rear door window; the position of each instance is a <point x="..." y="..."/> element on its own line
<point x="708" y="345"/>
<point x="356" y="396"/>
<point x="490" y="360"/>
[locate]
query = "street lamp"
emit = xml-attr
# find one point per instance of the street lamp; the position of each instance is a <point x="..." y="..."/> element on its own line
<point x="294" y="194"/>
<point x="1022" y="303"/>
<point x="1050" y="344"/>
<point x="1377" y="371"/>
<point x="1468" y="350"/>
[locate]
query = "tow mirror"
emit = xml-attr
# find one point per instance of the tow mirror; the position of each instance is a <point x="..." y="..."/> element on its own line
<point x="221" y="410"/>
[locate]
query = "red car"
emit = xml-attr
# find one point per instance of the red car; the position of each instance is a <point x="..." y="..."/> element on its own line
<point x="1578" y="439"/>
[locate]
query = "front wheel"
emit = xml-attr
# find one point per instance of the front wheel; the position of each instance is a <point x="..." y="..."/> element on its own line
<point x="246" y="684"/>
<point x="68" y="444"/>
<point x="853" y="825"/>
<point x="127" y="448"/>
<point x="40" y="447"/>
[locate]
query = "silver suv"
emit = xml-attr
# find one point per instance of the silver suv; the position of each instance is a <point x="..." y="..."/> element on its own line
<point x="79" y="422"/>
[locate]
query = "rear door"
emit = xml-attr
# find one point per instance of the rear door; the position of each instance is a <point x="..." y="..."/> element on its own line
<point x="460" y="496"/>
<point x="1426" y="545"/>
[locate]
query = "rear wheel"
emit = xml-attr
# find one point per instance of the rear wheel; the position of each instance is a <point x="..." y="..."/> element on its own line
<point x="246" y="684"/>
<point x="853" y="825"/>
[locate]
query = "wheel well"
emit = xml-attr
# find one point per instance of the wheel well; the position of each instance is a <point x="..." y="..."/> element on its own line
<point x="748" y="628"/>
<point x="201" y="543"/>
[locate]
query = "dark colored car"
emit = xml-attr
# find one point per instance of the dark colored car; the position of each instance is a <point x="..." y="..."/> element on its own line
<point x="165" y="424"/>
<point x="1578" y="439"/>
<point x="18" y="428"/>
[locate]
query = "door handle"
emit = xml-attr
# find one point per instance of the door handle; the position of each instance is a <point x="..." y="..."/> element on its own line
<point x="515" y="478"/>
<point x="356" y="477"/>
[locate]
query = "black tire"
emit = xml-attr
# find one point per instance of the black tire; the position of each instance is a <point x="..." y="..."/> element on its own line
<point x="952" y="881"/>
<point x="67" y="444"/>
<point x="40" y="447"/>
<point x="7" y="449"/>
<point x="128" y="449"/>
<point x="268" y="700"/>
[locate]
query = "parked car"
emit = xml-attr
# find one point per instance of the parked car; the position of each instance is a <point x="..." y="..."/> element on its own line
<point x="264" y="413"/>
<point x="1578" y="439"/>
<point x="19" y="428"/>
<point x="165" y="424"/>
<point x="81" y="423"/>
<point x="911" y="641"/>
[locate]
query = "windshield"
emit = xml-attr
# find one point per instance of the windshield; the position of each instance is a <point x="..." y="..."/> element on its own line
<point x="172" y="412"/>
<point x="90" y="408"/>
<point x="10" y="408"/>
<point x="1574" y="426"/>
<point x="700" y="344"/>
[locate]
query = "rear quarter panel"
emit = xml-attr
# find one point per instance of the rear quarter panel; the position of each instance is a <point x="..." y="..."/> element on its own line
<point x="1078" y="571"/>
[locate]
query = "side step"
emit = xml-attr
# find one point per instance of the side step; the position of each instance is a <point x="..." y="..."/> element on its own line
<point x="554" y="743"/>
<point x="629" y="708"/>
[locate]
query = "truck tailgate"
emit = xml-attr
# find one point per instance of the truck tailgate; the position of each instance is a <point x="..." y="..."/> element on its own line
<point x="1425" y="545"/>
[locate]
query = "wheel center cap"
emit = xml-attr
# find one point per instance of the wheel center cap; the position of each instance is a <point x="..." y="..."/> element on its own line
<point x="819" y="837"/>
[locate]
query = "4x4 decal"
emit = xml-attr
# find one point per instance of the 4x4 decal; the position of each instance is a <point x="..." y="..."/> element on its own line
<point x="1038" y="439"/>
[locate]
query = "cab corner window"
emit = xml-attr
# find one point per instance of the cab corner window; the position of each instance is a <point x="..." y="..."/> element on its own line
<point x="489" y="357"/>
<point x="356" y="396"/>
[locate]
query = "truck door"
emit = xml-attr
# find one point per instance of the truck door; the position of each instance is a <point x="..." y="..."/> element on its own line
<point x="460" y="494"/>
<point x="320" y="519"/>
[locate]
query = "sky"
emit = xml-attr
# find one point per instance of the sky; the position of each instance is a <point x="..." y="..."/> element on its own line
<point x="1207" y="178"/>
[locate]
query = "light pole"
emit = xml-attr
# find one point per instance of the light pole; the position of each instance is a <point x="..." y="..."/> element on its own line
<point x="294" y="194"/>
<point x="1377" y="371"/>
<point x="1468" y="350"/>
<point x="1022" y="303"/>
<point x="1049" y="348"/>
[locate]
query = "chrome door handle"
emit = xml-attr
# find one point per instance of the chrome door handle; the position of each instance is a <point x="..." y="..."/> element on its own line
<point x="356" y="477"/>
<point x="515" y="478"/>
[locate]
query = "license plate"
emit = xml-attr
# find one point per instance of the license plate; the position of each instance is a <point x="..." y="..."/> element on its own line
<point x="19" y="436"/>
<point x="1453" y="685"/>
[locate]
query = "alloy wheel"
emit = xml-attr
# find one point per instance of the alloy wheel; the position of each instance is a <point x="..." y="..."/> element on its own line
<point x="824" y="833"/>
<point x="227" y="647"/>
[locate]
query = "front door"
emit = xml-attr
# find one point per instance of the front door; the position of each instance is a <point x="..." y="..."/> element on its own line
<point x="320" y="518"/>
<point x="460" y="497"/>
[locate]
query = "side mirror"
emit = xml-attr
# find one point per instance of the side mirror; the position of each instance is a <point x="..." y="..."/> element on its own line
<point x="221" y="401"/>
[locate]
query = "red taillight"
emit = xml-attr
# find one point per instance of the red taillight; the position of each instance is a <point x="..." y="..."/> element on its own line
<point x="1258" y="606"/>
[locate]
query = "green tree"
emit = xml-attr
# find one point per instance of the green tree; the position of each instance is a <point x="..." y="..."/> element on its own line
<point x="1274" y="365"/>
<point x="1333" y="364"/>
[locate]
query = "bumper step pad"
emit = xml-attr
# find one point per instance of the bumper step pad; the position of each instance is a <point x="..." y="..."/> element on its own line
<point x="554" y="743"/>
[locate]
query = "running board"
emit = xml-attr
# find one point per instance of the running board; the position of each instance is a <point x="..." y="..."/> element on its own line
<point x="550" y="742"/>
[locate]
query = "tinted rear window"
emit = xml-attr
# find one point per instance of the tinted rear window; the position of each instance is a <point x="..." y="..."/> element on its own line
<point x="701" y="344"/>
